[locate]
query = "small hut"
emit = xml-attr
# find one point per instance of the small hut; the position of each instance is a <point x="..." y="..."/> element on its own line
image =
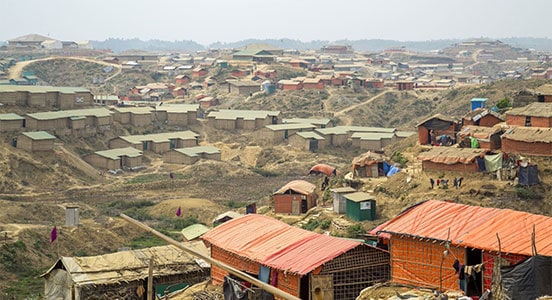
<point x="296" y="197"/>
<point x="369" y="164"/>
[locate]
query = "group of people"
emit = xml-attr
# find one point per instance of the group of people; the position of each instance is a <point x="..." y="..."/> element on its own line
<point x="443" y="183"/>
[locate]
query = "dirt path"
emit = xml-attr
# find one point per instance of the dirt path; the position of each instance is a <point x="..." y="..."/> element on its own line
<point x="16" y="70"/>
<point x="342" y="114"/>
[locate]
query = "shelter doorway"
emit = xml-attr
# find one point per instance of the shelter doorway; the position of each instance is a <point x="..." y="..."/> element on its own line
<point x="313" y="145"/>
<point x="475" y="282"/>
<point x="304" y="205"/>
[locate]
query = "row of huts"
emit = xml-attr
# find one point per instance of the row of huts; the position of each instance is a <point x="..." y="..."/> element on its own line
<point x="417" y="247"/>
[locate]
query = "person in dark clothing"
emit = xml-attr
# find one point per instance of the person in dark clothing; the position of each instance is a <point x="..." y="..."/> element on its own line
<point x="431" y="182"/>
<point x="459" y="269"/>
<point x="325" y="183"/>
<point x="455" y="183"/>
<point x="460" y="181"/>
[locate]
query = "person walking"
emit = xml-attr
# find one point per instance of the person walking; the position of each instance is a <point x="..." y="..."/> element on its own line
<point x="431" y="182"/>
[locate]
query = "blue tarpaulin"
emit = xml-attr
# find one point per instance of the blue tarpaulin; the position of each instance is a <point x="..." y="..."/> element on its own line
<point x="393" y="170"/>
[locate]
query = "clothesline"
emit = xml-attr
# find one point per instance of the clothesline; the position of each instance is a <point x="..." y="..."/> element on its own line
<point x="240" y="284"/>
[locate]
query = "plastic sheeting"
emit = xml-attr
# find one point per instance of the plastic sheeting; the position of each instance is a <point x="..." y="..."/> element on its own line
<point x="528" y="175"/>
<point x="528" y="280"/>
<point x="324" y="169"/>
<point x="473" y="226"/>
<point x="493" y="162"/>
<point x="393" y="170"/>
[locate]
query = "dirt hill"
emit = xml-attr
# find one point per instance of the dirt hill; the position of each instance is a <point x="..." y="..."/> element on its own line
<point x="35" y="189"/>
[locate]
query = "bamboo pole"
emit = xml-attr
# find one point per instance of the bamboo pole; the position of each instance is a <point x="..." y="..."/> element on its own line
<point x="150" y="279"/>
<point x="267" y="287"/>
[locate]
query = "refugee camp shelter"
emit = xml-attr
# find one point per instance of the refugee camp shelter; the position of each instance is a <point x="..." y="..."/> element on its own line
<point x="279" y="133"/>
<point x="319" y="123"/>
<point x="296" y="197"/>
<point x="536" y="114"/>
<point x="79" y="122"/>
<point x="452" y="159"/>
<point x="487" y="137"/>
<point x="307" y="141"/>
<point x="243" y="119"/>
<point x="360" y="206"/>
<point x="484" y="117"/>
<point x="226" y="216"/>
<point x="113" y="159"/>
<point x="35" y="141"/>
<point x="191" y="155"/>
<point x="194" y="231"/>
<point x="339" y="200"/>
<point x="295" y="260"/>
<point x="135" y="116"/>
<point x="418" y="237"/>
<point x="157" y="142"/>
<point x="369" y="164"/>
<point x="372" y="141"/>
<point x="177" y="114"/>
<point x="439" y="124"/>
<point x="334" y="136"/>
<point x="123" y="275"/>
<point x="11" y="122"/>
<point x="528" y="140"/>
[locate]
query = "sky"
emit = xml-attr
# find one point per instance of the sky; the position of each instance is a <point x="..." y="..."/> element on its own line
<point x="213" y="21"/>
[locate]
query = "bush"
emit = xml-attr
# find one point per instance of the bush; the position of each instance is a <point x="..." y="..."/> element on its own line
<point x="355" y="230"/>
<point x="504" y="103"/>
<point x="399" y="158"/>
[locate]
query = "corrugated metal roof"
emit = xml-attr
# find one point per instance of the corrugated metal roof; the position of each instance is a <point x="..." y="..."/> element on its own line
<point x="175" y="108"/>
<point x="51" y="115"/>
<point x="359" y="196"/>
<point x="39" y="135"/>
<point x="141" y="110"/>
<point x="298" y="186"/>
<point x="544" y="89"/>
<point x="42" y="89"/>
<point x="244" y="83"/>
<point x="195" y="151"/>
<point x="10" y="117"/>
<point x="404" y="134"/>
<point x="193" y="231"/>
<point x="372" y="136"/>
<point x="118" y="152"/>
<point x="132" y="265"/>
<point x="529" y="134"/>
<point x="276" y="244"/>
<point x="451" y="155"/>
<point x="231" y="114"/>
<point x="307" y="121"/>
<point x="160" y="137"/>
<point x="535" y="109"/>
<point x="346" y="189"/>
<point x="310" y="135"/>
<point x="290" y="126"/>
<point x="347" y="129"/>
<point x="473" y="226"/>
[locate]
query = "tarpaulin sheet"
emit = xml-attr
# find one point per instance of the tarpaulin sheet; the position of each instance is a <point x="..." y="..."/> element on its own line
<point x="493" y="162"/>
<point x="528" y="280"/>
<point x="298" y="186"/>
<point x="528" y="175"/>
<point x="392" y="171"/>
<point x="451" y="155"/>
<point x="276" y="244"/>
<point x="473" y="226"/>
<point x="324" y="169"/>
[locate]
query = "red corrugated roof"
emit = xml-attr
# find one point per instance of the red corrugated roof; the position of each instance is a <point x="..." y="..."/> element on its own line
<point x="472" y="226"/>
<point x="276" y="244"/>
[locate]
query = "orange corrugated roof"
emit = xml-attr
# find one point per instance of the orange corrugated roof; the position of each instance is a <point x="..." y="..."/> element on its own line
<point x="472" y="226"/>
<point x="276" y="244"/>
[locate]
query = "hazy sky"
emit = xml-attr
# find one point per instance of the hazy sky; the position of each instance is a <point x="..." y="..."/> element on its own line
<point x="207" y="22"/>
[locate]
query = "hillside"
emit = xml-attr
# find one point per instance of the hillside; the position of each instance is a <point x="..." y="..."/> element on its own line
<point x="35" y="189"/>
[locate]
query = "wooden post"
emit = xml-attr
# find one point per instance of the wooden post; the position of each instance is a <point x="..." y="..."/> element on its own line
<point x="150" y="279"/>
<point x="267" y="287"/>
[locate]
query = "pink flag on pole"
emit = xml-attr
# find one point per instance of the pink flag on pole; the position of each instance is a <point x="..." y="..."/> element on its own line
<point x="53" y="234"/>
<point x="178" y="212"/>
